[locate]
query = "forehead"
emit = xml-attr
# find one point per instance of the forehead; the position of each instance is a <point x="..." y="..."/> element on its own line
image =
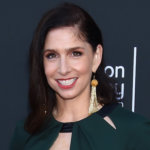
<point x="63" y="37"/>
<point x="72" y="31"/>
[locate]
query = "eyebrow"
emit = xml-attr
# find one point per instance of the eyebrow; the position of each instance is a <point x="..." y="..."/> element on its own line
<point x="67" y="49"/>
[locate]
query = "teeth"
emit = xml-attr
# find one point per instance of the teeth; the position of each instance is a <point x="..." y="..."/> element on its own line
<point x="67" y="82"/>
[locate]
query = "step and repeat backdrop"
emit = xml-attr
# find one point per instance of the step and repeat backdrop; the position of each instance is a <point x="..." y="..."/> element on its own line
<point x="125" y="27"/>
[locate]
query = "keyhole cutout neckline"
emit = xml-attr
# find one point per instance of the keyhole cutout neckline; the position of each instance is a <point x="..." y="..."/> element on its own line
<point x="103" y="112"/>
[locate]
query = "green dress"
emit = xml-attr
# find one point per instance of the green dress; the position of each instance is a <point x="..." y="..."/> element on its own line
<point x="91" y="133"/>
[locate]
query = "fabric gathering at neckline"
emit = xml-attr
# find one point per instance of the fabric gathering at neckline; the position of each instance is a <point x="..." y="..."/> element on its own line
<point x="104" y="111"/>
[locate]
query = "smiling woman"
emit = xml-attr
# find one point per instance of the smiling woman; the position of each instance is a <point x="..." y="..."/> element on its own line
<point x="72" y="101"/>
<point x="66" y="68"/>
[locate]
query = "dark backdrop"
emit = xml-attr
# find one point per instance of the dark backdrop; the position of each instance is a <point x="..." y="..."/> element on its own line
<point x="125" y="26"/>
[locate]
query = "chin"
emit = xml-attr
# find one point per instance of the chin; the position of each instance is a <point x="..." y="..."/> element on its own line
<point x="66" y="97"/>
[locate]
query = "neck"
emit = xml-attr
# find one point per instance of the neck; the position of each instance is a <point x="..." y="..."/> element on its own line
<point x="71" y="110"/>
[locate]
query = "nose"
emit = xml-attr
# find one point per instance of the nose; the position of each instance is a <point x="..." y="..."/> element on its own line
<point x="64" y="66"/>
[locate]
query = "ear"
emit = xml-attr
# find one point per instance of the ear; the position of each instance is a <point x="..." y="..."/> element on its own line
<point x="97" y="57"/>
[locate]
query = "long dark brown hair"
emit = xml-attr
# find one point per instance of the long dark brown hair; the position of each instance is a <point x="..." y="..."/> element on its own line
<point x="41" y="95"/>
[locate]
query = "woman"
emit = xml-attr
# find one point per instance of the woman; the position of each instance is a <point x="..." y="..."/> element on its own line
<point x="66" y="111"/>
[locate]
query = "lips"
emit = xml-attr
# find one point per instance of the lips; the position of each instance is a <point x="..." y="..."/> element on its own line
<point x="66" y="83"/>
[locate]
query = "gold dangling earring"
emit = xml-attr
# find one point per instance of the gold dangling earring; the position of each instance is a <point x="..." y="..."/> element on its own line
<point x="44" y="109"/>
<point x="94" y="105"/>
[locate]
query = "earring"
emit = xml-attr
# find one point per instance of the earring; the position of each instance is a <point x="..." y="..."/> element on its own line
<point x="44" y="109"/>
<point x="94" y="105"/>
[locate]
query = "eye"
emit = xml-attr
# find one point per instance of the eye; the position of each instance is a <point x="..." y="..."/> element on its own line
<point x="51" y="55"/>
<point x="76" y="53"/>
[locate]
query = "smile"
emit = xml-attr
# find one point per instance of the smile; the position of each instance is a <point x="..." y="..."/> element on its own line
<point x="65" y="84"/>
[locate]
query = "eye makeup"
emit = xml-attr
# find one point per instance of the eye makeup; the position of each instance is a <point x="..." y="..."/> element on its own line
<point x="73" y="52"/>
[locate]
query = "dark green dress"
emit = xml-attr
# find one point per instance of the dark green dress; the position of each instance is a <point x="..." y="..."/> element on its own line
<point x="91" y="133"/>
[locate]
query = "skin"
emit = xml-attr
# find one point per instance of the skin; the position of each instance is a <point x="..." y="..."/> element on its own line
<point x="67" y="56"/>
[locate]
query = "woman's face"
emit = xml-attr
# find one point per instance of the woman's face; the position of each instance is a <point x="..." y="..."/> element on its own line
<point x="69" y="63"/>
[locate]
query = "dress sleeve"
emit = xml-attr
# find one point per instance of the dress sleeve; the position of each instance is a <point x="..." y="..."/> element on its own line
<point x="142" y="141"/>
<point x="19" y="137"/>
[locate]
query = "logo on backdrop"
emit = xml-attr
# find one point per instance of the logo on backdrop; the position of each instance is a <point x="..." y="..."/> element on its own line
<point x="118" y="72"/>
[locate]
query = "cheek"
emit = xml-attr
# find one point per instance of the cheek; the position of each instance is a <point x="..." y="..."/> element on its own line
<point x="49" y="69"/>
<point x="84" y="66"/>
